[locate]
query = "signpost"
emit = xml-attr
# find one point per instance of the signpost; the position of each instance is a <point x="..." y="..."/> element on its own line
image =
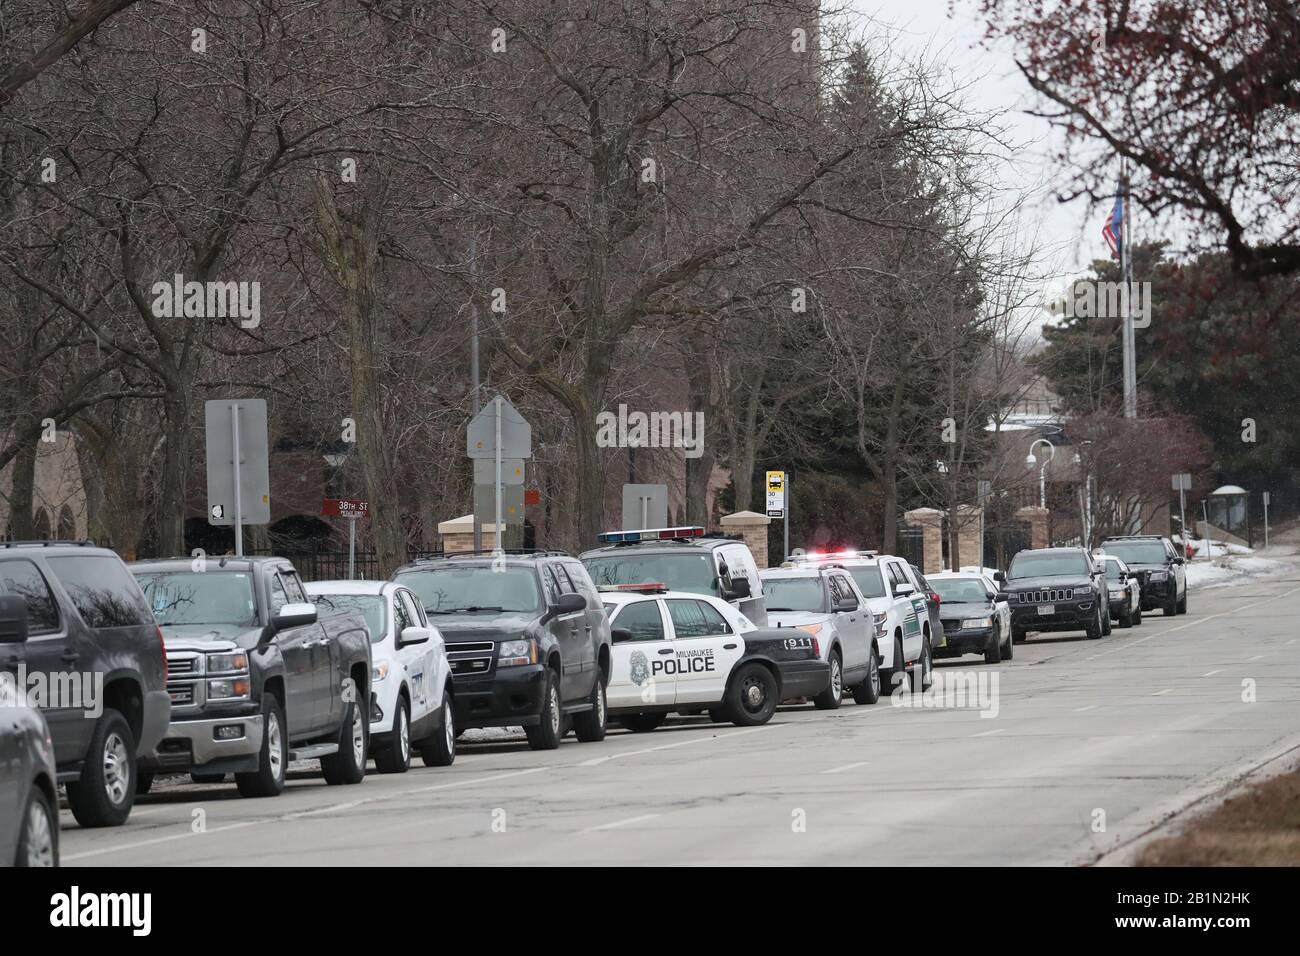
<point x="1266" y="521"/>
<point x="984" y="490"/>
<point x="239" y="476"/>
<point x="352" y="509"/>
<point x="1182" y="484"/>
<point x="778" y="483"/>
<point x="499" y="439"/>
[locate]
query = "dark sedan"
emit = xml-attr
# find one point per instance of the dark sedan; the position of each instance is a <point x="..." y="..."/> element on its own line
<point x="975" y="619"/>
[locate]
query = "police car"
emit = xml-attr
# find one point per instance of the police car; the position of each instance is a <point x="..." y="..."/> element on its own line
<point x="682" y="651"/>
<point x="899" y="606"/>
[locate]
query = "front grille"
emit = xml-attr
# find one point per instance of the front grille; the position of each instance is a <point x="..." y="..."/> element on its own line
<point x="181" y="693"/>
<point x="182" y="665"/>
<point x="470" y="646"/>
<point x="469" y="666"/>
<point x="1049" y="596"/>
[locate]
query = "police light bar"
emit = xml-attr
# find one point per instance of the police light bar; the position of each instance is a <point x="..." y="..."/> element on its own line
<point x="648" y="587"/>
<point x="650" y="534"/>
<point x="841" y="553"/>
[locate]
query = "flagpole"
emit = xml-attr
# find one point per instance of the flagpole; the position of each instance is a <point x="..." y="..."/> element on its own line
<point x="1126" y="267"/>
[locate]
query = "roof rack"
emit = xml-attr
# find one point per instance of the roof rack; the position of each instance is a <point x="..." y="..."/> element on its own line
<point x="48" y="544"/>
<point x="493" y="552"/>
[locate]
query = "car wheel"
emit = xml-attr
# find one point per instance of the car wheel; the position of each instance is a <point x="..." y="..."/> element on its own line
<point x="349" y="764"/>
<point x="38" y="842"/>
<point x="105" y="792"/>
<point x="1008" y="646"/>
<point x="752" y="696"/>
<point x="1126" y="619"/>
<point x="1104" y="606"/>
<point x="442" y="751"/>
<point x="1182" y="603"/>
<point x="993" y="653"/>
<point x="268" y="779"/>
<point x="893" y="676"/>
<point x="925" y="665"/>
<point x="1171" y="606"/>
<point x="1137" y="614"/>
<point x="642" y="723"/>
<point x="395" y="755"/>
<point x="868" y="692"/>
<point x="549" y="730"/>
<point x="1093" y="630"/>
<point x="590" y="724"/>
<point x="830" y="698"/>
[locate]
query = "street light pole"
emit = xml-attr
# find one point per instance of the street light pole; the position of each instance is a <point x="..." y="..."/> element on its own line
<point x="1030" y="460"/>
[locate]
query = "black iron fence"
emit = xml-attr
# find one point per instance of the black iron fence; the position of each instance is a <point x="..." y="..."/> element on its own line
<point x="909" y="545"/>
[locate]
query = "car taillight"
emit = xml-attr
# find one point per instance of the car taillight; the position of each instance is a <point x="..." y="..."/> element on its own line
<point x="162" y="649"/>
<point x="817" y="648"/>
<point x="934" y="596"/>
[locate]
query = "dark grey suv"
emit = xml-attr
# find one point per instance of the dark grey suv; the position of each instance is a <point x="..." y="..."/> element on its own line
<point x="29" y="807"/>
<point x="91" y="659"/>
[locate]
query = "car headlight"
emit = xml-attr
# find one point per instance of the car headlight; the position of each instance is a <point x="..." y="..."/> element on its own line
<point x="1159" y="575"/>
<point x="810" y="628"/>
<point x="228" y="688"/>
<point x="972" y="622"/>
<point x="235" y="662"/>
<point x="379" y="671"/>
<point x="511" y="653"/>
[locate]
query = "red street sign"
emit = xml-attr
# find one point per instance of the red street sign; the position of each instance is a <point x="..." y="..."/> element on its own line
<point x="345" y="508"/>
<point x="532" y="496"/>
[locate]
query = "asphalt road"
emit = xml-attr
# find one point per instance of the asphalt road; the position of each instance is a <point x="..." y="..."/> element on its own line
<point x="1132" y="726"/>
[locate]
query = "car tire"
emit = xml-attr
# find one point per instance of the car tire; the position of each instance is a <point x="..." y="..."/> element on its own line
<point x="993" y="654"/>
<point x="143" y="782"/>
<point x="752" y="696"/>
<point x="924" y="664"/>
<point x="38" y="839"/>
<point x="547" y="733"/>
<point x="868" y="692"/>
<point x="209" y="778"/>
<point x="105" y="792"/>
<point x="888" y="675"/>
<point x="1137" y="615"/>
<point x="642" y="723"/>
<point x="1126" y="619"/>
<point x="441" y="750"/>
<point x="348" y="766"/>
<point x="833" y="695"/>
<point x="272" y="760"/>
<point x="590" y="724"/>
<point x="395" y="755"/>
<point x="1008" y="646"/>
<point x="1182" y="603"/>
<point x="1094" y="630"/>
<point x="1105" y="617"/>
<point x="1171" y="606"/>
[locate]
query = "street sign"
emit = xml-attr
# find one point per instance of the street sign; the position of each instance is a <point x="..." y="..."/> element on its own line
<point x="776" y="494"/>
<point x="1266" y="501"/>
<point x="512" y="471"/>
<point x="512" y="504"/>
<point x="239" y="475"/>
<point x="532" y="496"/>
<point x="344" y="508"/>
<point x="1182" y="481"/>
<point x="516" y="433"/>
<point x="645" y="506"/>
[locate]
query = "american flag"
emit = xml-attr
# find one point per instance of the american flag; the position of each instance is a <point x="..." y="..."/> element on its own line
<point x="1114" y="228"/>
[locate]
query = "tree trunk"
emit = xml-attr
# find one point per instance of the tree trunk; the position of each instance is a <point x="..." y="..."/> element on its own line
<point x="174" y="474"/>
<point x="21" y="524"/>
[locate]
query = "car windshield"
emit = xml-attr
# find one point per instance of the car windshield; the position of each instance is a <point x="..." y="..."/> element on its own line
<point x="870" y="583"/>
<point x="685" y="571"/>
<point x="1137" y="552"/>
<point x="475" y="589"/>
<point x="207" y="597"/>
<point x="1035" y="564"/>
<point x="794" y="594"/>
<point x="370" y="606"/>
<point x="960" y="590"/>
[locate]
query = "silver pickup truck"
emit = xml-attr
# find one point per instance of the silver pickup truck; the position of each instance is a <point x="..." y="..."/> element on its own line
<point x="257" y="678"/>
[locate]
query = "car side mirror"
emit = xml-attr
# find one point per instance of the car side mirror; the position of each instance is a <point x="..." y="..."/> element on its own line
<point x="846" y="604"/>
<point x="620" y="634"/>
<point x="1002" y="597"/>
<point x="737" y="588"/>
<point x="1178" y="560"/>
<point x="904" y="589"/>
<point x="13" y="620"/>
<point x="294" y="615"/>
<point x="571" y="603"/>
<point x="999" y="576"/>
<point x="412" y="635"/>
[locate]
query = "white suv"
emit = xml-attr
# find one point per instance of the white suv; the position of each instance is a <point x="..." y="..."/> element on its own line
<point x="899" y="606"/>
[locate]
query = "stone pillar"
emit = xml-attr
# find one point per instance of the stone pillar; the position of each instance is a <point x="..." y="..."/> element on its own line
<point x="458" y="534"/>
<point x="930" y="522"/>
<point x="968" y="536"/>
<point x="752" y="527"/>
<point x="1037" y="518"/>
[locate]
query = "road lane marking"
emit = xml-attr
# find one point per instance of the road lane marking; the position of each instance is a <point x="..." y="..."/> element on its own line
<point x="1080" y="710"/>
<point x="1212" y="673"/>
<point x="597" y="761"/>
<point x="1161" y="693"/>
<point x="848" y="766"/>
<point x="621" y="823"/>
<point x="989" y="733"/>
<point x="1255" y="658"/>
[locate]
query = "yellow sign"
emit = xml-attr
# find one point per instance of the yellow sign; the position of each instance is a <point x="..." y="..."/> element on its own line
<point x="776" y="481"/>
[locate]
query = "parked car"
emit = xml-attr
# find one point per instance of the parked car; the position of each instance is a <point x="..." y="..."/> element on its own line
<point x="825" y="602"/>
<point x="257" y="676"/>
<point x="682" y="651"/>
<point x="1160" y="569"/>
<point x="1125" y="592"/>
<point x="527" y="641"/>
<point x="932" y="604"/>
<point x="29" y="804"/>
<point x="90" y="635"/>
<point x="900" y="610"/>
<point x="1056" y="589"/>
<point x="411" y="696"/>
<point x="683" y="559"/>
<point x="976" y="617"/>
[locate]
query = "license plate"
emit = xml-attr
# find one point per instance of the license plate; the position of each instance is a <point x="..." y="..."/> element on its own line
<point x="1045" y="609"/>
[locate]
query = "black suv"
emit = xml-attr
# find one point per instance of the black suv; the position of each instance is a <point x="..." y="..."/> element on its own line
<point x="91" y="658"/>
<point x="527" y="640"/>
<point x="1056" y="589"/>
<point x="1159" y="568"/>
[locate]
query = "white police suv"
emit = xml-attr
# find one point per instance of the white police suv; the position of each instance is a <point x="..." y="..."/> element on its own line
<point x="684" y="652"/>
